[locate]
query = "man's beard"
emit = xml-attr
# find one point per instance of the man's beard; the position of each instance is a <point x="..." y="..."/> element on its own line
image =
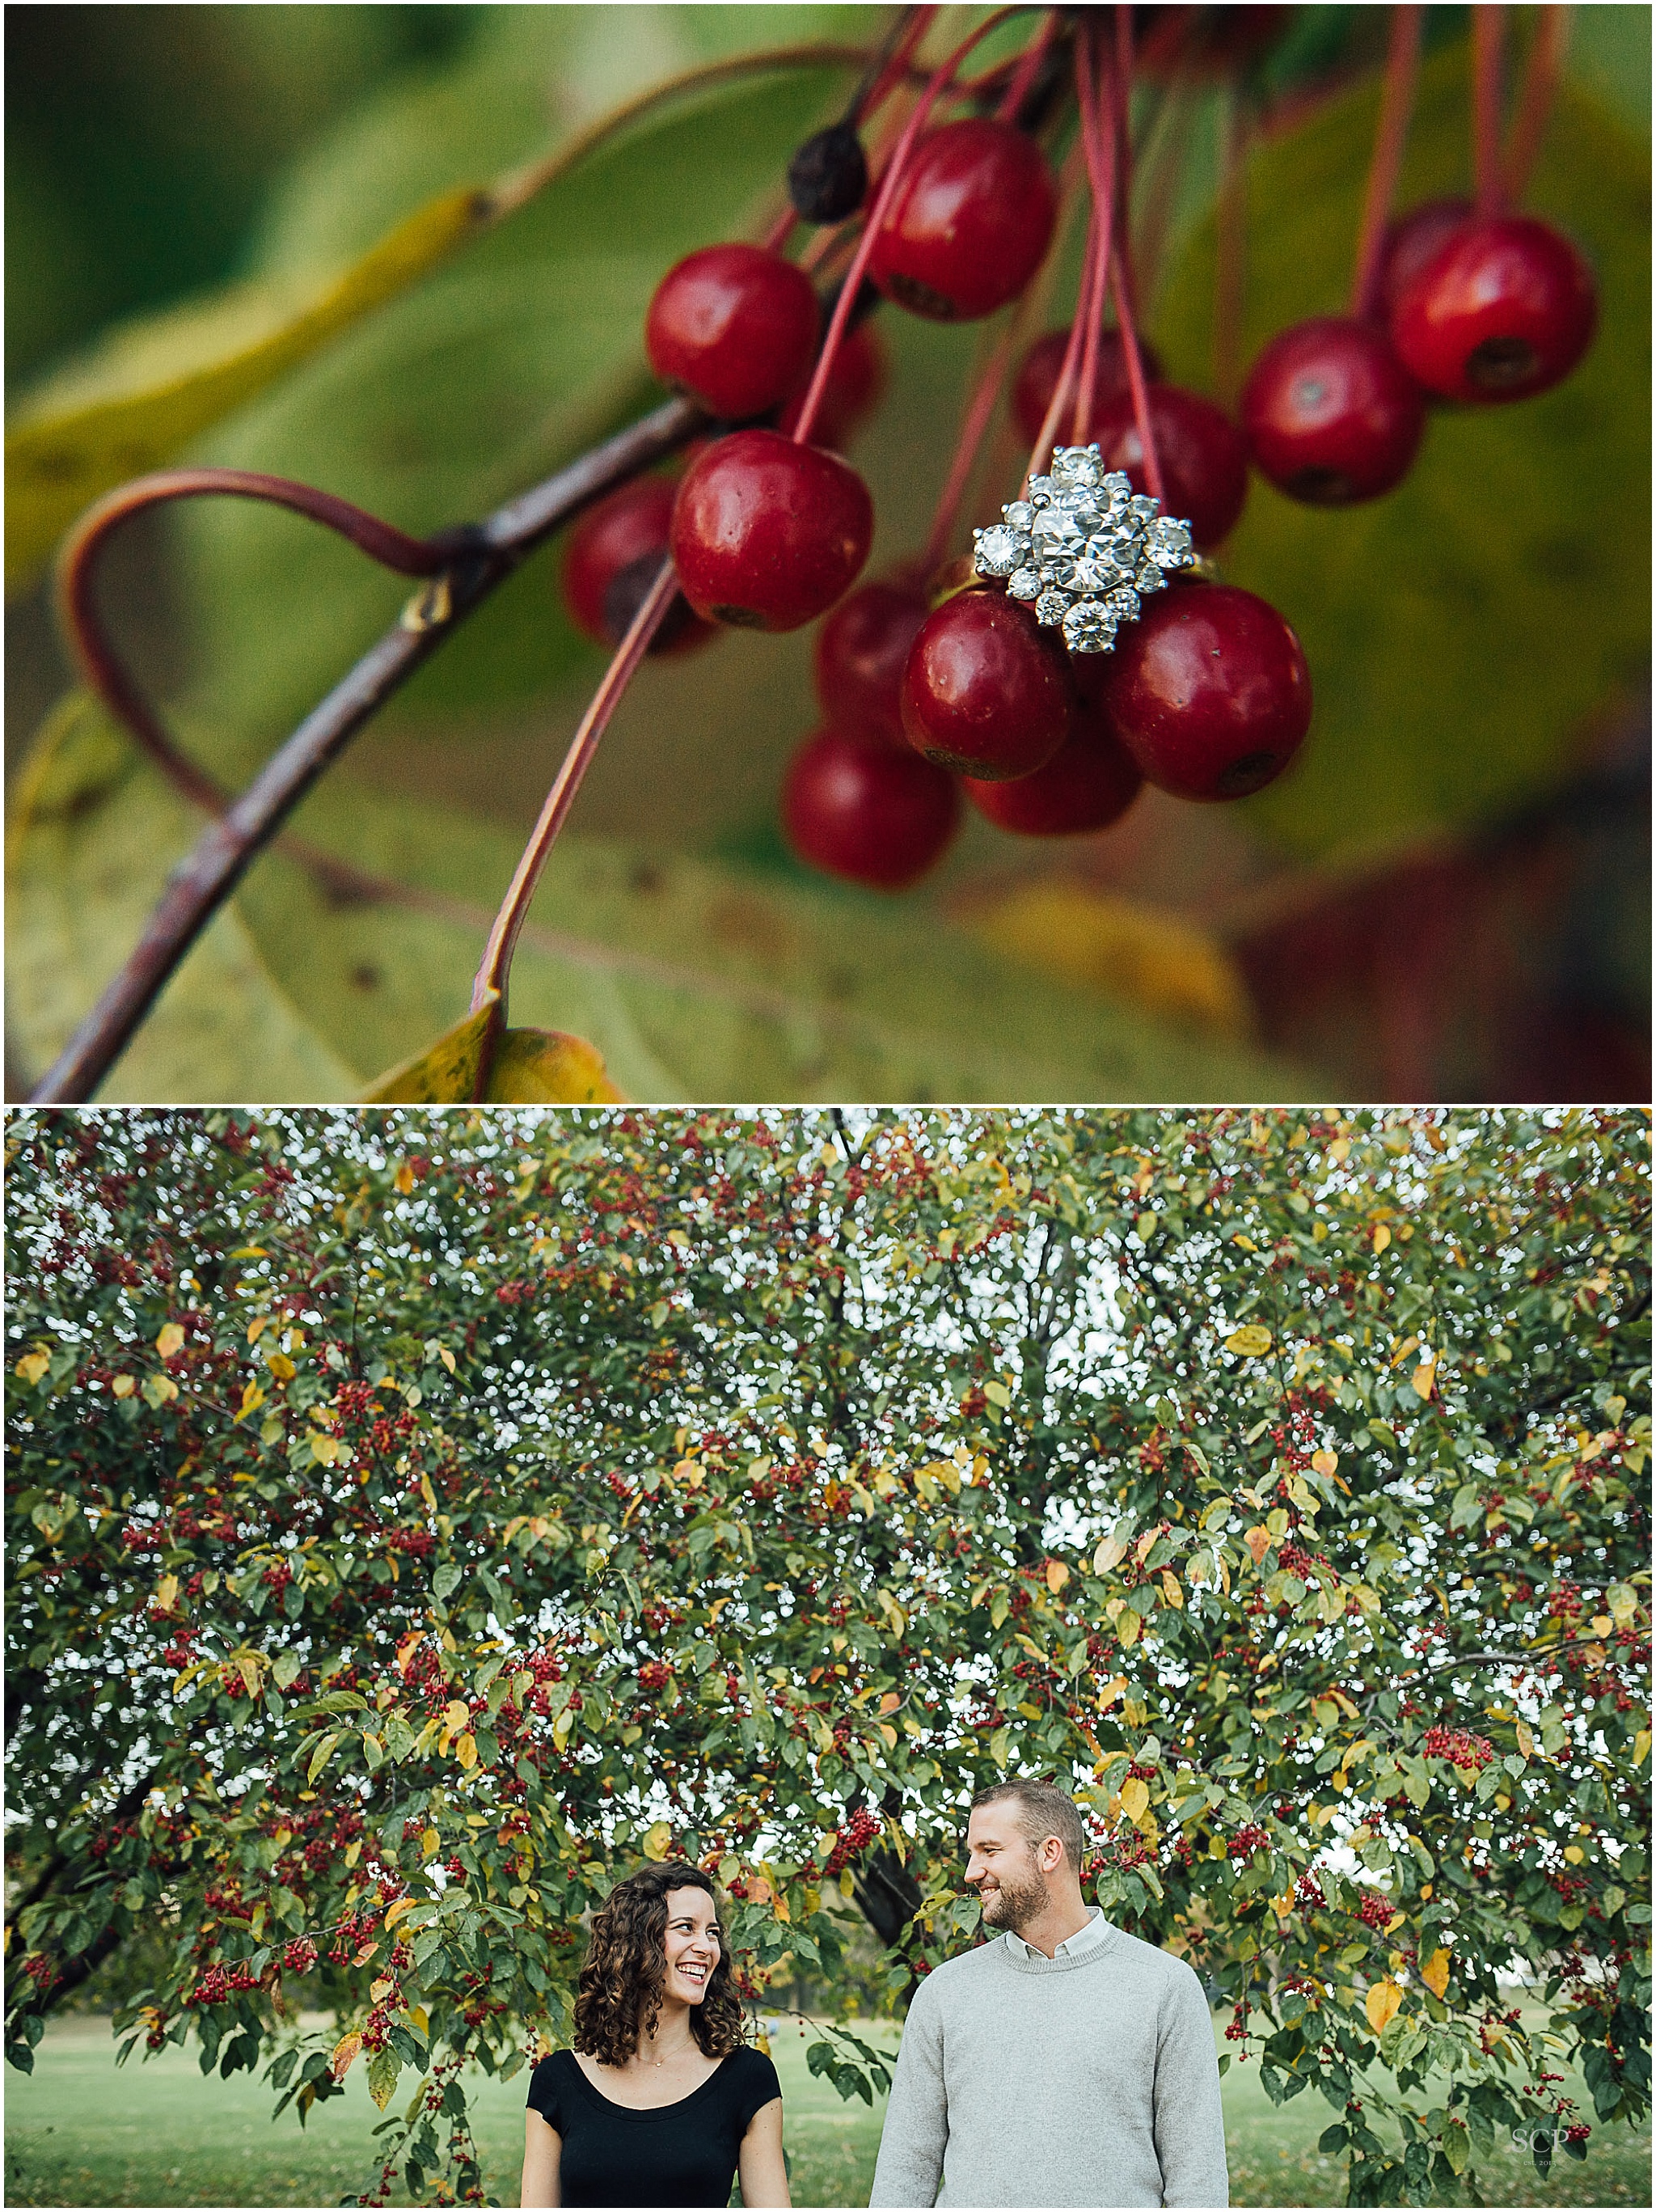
<point x="1013" y="1905"/>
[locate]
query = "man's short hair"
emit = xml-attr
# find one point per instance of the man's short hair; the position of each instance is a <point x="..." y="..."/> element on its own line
<point x="1047" y="1811"/>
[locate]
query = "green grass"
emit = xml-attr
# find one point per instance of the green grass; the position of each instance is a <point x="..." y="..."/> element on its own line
<point x="78" y="2132"/>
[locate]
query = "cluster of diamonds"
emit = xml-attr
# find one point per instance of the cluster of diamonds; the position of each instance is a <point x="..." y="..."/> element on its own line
<point x="1082" y="548"/>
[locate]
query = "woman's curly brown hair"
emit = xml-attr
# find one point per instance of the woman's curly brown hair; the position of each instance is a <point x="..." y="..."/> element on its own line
<point x="618" y="1998"/>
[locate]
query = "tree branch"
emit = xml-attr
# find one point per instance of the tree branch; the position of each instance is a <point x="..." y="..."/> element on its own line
<point x="482" y="558"/>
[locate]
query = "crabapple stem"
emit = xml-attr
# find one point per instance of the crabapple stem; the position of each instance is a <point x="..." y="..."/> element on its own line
<point x="1230" y="272"/>
<point x="1094" y="97"/>
<point x="1024" y="75"/>
<point x="1100" y="148"/>
<point x="1066" y="379"/>
<point x="974" y="425"/>
<point x="227" y="847"/>
<point x="1141" y="405"/>
<point x="890" y="63"/>
<point x="1391" y="135"/>
<point x="1541" y="70"/>
<point x="78" y="569"/>
<point x="495" y="971"/>
<point x="1489" y="46"/>
<point x="884" y="195"/>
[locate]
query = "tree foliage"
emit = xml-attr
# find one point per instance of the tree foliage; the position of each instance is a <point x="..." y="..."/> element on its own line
<point x="413" y="1519"/>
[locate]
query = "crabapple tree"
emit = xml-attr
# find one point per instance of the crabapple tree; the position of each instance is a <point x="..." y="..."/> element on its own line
<point x="414" y="1519"/>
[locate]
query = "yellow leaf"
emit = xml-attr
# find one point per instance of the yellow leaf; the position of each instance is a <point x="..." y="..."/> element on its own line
<point x="122" y="1386"/>
<point x="251" y="1399"/>
<point x="540" y="1067"/>
<point x="527" y="1067"/>
<point x="170" y="1340"/>
<point x="404" y="1178"/>
<point x="382" y="1988"/>
<point x="446" y="1073"/>
<point x="446" y="1357"/>
<point x="1127" y="1627"/>
<point x="1057" y="1575"/>
<point x="1258" y="1541"/>
<point x="156" y="384"/>
<point x="1424" y="1378"/>
<point x="1150" y="958"/>
<point x="430" y="1843"/>
<point x="1325" y="1462"/>
<point x="420" y="2017"/>
<point x="465" y="1750"/>
<point x="1111" y="1691"/>
<point x="1135" y="1798"/>
<point x="1382" y="1238"/>
<point x="1381" y="2003"/>
<point x="1111" y="1551"/>
<point x="779" y="1906"/>
<point x="33" y="1364"/>
<point x="166" y="1591"/>
<point x="658" y="1841"/>
<point x="889" y="1702"/>
<point x="1171" y="1594"/>
<point x="395" y="1911"/>
<point x="325" y="1450"/>
<point x="257" y="1326"/>
<point x="1641" y="1746"/>
<point x="889" y="1735"/>
<point x="456" y="1715"/>
<point x="762" y="2042"/>
<point x="1525" y="1740"/>
<point x="1249" y="1342"/>
<point x="281" y="1367"/>
<point x="344" y="2050"/>
<point x="1435" y="1972"/>
<point x="247" y="1667"/>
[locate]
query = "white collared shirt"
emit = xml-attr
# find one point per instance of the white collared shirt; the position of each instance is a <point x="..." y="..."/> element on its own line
<point x="1084" y="1939"/>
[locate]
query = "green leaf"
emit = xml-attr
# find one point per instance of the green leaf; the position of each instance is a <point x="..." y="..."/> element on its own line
<point x="1434" y="619"/>
<point x="382" y="2075"/>
<point x="518" y="355"/>
<point x="691" y="980"/>
<point x="320" y="1757"/>
<point x="153" y="385"/>
<point x="221" y="1028"/>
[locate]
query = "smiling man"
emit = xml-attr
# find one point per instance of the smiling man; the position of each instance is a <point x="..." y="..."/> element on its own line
<point x="1066" y="2062"/>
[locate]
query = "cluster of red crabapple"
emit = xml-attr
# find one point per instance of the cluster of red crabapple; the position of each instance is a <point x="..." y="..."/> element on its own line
<point x="933" y="686"/>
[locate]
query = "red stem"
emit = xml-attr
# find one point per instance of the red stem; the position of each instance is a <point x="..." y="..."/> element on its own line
<point x="1541" y="75"/>
<point x="1489" y="44"/>
<point x="77" y="571"/>
<point x="896" y="64"/>
<point x="973" y="425"/>
<point x="1391" y="136"/>
<point x="495" y="971"/>
<point x="1086" y="306"/>
<point x="1124" y="72"/>
<point x="1230" y="269"/>
<point x="1098" y="166"/>
<point x="1024" y="76"/>
<point x="882" y="199"/>
<point x="1101" y="177"/>
<point x="1141" y="405"/>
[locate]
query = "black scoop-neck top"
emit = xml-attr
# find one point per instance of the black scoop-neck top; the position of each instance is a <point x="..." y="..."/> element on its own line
<point x="680" y="2154"/>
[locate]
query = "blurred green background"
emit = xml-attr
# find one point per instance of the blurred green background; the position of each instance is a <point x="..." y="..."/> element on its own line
<point x="1449" y="898"/>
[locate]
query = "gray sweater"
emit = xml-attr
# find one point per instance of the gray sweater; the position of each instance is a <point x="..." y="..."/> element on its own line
<point x="1088" y="2080"/>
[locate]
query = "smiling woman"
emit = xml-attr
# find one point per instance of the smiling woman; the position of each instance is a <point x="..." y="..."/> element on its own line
<point x="660" y="2101"/>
